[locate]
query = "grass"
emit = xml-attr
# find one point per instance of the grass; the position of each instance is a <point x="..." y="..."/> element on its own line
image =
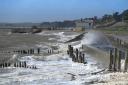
<point x="115" y="30"/>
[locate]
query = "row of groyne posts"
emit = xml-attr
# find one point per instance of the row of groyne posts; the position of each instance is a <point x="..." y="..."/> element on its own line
<point x="28" y="51"/>
<point x="117" y="54"/>
<point x="76" y="55"/>
<point x="23" y="64"/>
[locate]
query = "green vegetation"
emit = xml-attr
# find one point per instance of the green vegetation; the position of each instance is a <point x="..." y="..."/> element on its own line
<point x="117" y="17"/>
<point x="116" y="30"/>
<point x="125" y="15"/>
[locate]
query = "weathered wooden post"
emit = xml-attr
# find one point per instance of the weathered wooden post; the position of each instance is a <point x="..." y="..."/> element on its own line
<point x="25" y="65"/>
<point x="33" y="51"/>
<point x="67" y="52"/>
<point x="115" y="60"/>
<point x="71" y="51"/>
<point x="83" y="58"/>
<point x="21" y="51"/>
<point x="20" y="64"/>
<point x="0" y="65"/>
<point x="6" y="65"/>
<point x="77" y="57"/>
<point x="80" y="57"/>
<point x="111" y="60"/>
<point x="18" y="52"/>
<point x="9" y="64"/>
<point x="119" y="61"/>
<point x="30" y="51"/>
<point x="24" y="52"/>
<point x="50" y="51"/>
<point x="13" y="51"/>
<point x="15" y="64"/>
<point x="73" y="57"/>
<point x="82" y="46"/>
<point x="69" y="48"/>
<point x="38" y="50"/>
<point x="126" y="62"/>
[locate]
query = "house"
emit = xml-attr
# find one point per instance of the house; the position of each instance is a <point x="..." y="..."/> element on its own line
<point x="83" y="24"/>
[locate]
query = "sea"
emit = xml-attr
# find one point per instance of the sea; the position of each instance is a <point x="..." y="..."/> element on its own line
<point x="56" y="68"/>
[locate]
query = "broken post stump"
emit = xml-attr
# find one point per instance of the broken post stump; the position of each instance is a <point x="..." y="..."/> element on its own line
<point x="111" y="60"/>
<point x="38" y="50"/>
<point x="115" y="60"/>
<point x="77" y="58"/>
<point x="126" y="61"/>
<point x="119" y="61"/>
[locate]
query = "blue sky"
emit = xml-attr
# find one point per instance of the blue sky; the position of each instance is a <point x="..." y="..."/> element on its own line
<point x="57" y="10"/>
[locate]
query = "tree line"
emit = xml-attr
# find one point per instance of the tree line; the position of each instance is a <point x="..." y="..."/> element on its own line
<point x="117" y="17"/>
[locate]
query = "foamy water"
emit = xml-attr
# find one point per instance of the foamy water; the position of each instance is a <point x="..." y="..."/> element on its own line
<point x="56" y="69"/>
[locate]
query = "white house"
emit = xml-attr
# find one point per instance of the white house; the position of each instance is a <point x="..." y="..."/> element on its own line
<point x="84" y="24"/>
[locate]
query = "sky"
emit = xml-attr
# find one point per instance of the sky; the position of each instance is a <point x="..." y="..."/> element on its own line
<point x="57" y="10"/>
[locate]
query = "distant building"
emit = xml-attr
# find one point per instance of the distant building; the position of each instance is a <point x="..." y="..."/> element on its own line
<point x="84" y="24"/>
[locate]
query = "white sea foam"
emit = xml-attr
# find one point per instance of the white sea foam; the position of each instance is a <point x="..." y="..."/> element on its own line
<point x="57" y="69"/>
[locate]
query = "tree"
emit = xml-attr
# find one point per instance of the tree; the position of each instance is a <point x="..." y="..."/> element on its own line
<point x="125" y="15"/>
<point x="117" y="16"/>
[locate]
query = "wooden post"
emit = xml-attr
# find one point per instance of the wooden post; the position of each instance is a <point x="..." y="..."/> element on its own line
<point x="71" y="52"/>
<point x="15" y="64"/>
<point x="0" y="65"/>
<point x="115" y="60"/>
<point x="33" y="51"/>
<point x="48" y="50"/>
<point x="82" y="46"/>
<point x="52" y="50"/>
<point x="80" y="57"/>
<point x="67" y="52"/>
<point x="38" y="50"/>
<point x="83" y="58"/>
<point x="119" y="61"/>
<point x="69" y="48"/>
<point x="30" y="51"/>
<point x="20" y="64"/>
<point x="18" y="51"/>
<point x="73" y="57"/>
<point x="6" y="65"/>
<point x="21" y="51"/>
<point x="77" y="58"/>
<point x="25" y="65"/>
<point x="111" y="61"/>
<point x="126" y="61"/>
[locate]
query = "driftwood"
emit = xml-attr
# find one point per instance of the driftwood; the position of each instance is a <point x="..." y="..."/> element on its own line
<point x="98" y="72"/>
<point x="73" y="76"/>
